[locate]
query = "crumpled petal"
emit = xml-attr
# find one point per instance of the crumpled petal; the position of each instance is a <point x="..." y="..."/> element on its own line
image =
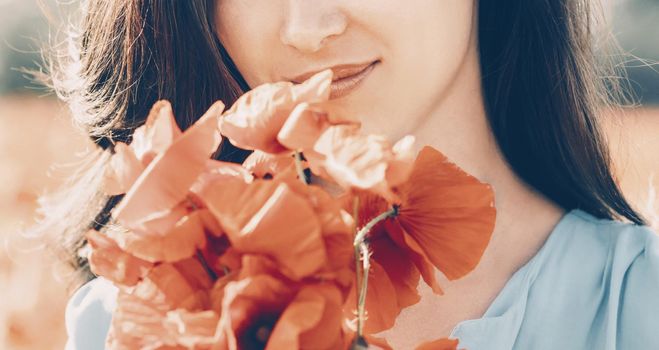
<point x="179" y="242"/>
<point x="305" y="124"/>
<point x="267" y="217"/>
<point x="165" y="183"/>
<point x="446" y="214"/>
<point x="262" y="311"/>
<point x="192" y="330"/>
<point x="364" y="162"/>
<point x="145" y="324"/>
<point x="182" y="285"/>
<point x="381" y="301"/>
<point x="157" y="134"/>
<point x="414" y="253"/>
<point x="400" y="270"/>
<point x="266" y="165"/>
<point x="336" y="226"/>
<point x="140" y="324"/>
<point x="107" y="259"/>
<point x="249" y="305"/>
<point x="312" y="320"/>
<point x="255" y="119"/>
<point x="129" y="161"/>
<point x="122" y="171"/>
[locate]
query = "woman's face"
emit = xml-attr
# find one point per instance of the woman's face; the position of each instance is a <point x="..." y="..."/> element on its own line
<point x="412" y="51"/>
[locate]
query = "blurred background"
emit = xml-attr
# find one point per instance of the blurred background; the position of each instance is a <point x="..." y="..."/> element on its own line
<point x="39" y="149"/>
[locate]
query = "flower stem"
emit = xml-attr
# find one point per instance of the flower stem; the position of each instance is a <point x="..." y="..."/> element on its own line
<point x="366" y="265"/>
<point x="364" y="230"/>
<point x="207" y="267"/>
<point x="298" y="167"/>
<point x="360" y="246"/>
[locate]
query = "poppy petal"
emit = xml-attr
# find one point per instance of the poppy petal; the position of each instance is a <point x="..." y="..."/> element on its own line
<point x="165" y="183"/>
<point x="402" y="273"/>
<point x="174" y="286"/>
<point x="303" y="127"/>
<point x="255" y="119"/>
<point x="178" y="243"/>
<point x="449" y="214"/>
<point x="107" y="259"/>
<point x="192" y="330"/>
<point x="157" y="134"/>
<point x="415" y="254"/>
<point x="364" y="162"/>
<point x="267" y="217"/>
<point x="312" y="320"/>
<point x="123" y="170"/>
<point x="247" y="302"/>
<point x="381" y="311"/>
<point x="261" y="164"/>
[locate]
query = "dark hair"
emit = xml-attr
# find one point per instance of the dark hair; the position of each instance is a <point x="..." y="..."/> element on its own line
<point x="543" y="89"/>
<point x="541" y="92"/>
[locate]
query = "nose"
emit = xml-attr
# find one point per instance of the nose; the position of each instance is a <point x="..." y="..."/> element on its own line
<point x="310" y="23"/>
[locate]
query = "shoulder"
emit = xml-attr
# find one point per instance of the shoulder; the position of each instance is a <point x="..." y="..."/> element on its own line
<point x="638" y="308"/>
<point x="88" y="315"/>
<point x="608" y="273"/>
<point x="589" y="252"/>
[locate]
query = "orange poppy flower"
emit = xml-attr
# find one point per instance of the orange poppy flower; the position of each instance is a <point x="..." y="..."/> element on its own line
<point x="445" y="220"/>
<point x="257" y="116"/>
<point x="157" y="209"/>
<point x="392" y="286"/>
<point x="165" y="183"/>
<point x="267" y="217"/>
<point x="362" y="162"/>
<point x="336" y="229"/>
<point x="264" y="312"/>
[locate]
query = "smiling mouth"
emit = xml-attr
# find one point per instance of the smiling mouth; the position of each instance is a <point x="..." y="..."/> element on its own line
<point x="346" y="78"/>
<point x="349" y="82"/>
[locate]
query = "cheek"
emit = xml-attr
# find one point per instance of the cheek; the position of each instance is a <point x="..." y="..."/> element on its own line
<point x="243" y="29"/>
<point x="434" y="44"/>
<point x="427" y="43"/>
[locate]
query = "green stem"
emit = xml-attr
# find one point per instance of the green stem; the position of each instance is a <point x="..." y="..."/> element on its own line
<point x="360" y="246"/>
<point x="361" y="310"/>
<point x="364" y="231"/>
<point x="298" y="167"/>
<point x="207" y="267"/>
<point x="358" y="283"/>
<point x="358" y="274"/>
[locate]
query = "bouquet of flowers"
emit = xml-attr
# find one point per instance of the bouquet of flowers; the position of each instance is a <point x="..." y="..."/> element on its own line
<point x="317" y="241"/>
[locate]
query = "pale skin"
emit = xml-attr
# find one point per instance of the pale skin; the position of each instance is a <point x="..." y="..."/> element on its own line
<point x="427" y="85"/>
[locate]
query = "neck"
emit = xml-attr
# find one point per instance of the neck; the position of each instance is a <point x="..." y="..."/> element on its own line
<point x="457" y="126"/>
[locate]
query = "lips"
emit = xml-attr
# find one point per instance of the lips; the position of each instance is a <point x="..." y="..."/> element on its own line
<point x="345" y="77"/>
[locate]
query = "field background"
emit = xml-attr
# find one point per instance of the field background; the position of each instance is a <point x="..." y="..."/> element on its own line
<point x="39" y="149"/>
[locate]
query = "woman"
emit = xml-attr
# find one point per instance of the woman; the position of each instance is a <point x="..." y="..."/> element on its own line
<point x="508" y="90"/>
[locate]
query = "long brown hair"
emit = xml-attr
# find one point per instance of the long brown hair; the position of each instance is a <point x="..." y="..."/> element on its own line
<point x="540" y="88"/>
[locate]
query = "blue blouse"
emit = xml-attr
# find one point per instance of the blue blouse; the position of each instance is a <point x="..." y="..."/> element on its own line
<point x="594" y="284"/>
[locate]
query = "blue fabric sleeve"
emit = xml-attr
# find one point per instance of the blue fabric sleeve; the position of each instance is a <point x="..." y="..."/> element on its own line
<point x="638" y="319"/>
<point x="88" y="315"/>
